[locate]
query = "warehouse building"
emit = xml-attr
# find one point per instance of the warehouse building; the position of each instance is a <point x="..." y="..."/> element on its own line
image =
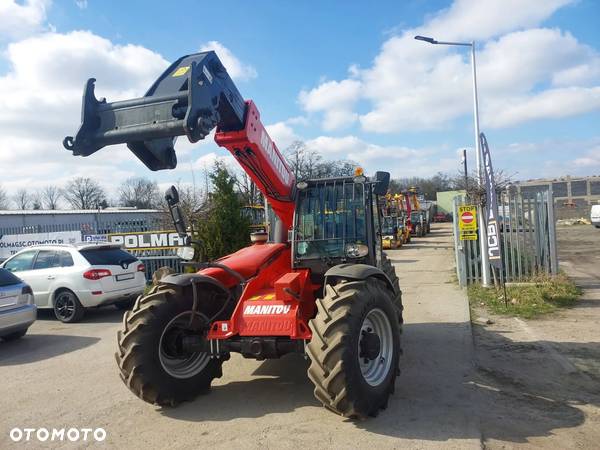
<point x="573" y="196"/>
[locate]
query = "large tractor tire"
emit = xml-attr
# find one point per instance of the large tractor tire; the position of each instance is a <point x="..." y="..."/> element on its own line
<point x="388" y="269"/>
<point x="418" y="230"/>
<point x="355" y="348"/>
<point x="148" y="363"/>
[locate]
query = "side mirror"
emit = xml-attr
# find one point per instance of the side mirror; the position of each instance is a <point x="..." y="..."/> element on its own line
<point x="172" y="198"/>
<point x="382" y="183"/>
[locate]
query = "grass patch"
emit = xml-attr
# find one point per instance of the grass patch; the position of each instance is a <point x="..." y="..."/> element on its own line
<point x="543" y="295"/>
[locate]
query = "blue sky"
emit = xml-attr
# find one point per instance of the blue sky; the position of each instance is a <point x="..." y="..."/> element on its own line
<point x="345" y="77"/>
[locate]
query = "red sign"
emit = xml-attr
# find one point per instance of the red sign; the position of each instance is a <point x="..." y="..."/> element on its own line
<point x="467" y="217"/>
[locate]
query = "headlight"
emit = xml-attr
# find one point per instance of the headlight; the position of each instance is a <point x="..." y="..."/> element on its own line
<point x="186" y="253"/>
<point x="356" y="250"/>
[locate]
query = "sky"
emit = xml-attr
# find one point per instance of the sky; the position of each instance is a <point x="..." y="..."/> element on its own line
<point x="347" y="78"/>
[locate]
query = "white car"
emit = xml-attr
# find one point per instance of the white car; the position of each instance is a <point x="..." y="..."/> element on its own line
<point x="70" y="278"/>
<point x="595" y="216"/>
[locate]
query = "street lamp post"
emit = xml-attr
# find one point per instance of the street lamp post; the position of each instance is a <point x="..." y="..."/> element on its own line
<point x="485" y="262"/>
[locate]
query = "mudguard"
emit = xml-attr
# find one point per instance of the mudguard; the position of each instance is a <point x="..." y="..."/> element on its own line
<point x="187" y="279"/>
<point x="358" y="272"/>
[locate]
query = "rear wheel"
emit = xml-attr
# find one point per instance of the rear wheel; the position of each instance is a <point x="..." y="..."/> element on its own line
<point x="418" y="230"/>
<point x="149" y="355"/>
<point x="355" y="347"/>
<point x="67" y="307"/>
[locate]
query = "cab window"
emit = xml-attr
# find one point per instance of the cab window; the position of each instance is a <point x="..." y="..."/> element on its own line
<point x="21" y="262"/>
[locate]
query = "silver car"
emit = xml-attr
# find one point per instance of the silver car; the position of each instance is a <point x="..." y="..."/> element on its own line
<point x="17" y="308"/>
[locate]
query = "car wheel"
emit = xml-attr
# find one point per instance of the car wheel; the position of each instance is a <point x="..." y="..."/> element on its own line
<point x="67" y="307"/>
<point x="15" y="335"/>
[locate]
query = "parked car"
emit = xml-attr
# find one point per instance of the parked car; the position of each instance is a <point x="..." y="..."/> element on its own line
<point x="70" y="278"/>
<point x="440" y="217"/>
<point x="17" y="308"/>
<point x="595" y="216"/>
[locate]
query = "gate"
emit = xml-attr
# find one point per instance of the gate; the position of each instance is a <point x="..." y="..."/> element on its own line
<point x="527" y="238"/>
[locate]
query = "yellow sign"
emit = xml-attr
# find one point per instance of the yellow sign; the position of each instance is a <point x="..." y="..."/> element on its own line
<point x="468" y="235"/>
<point x="467" y="222"/>
<point x="181" y="71"/>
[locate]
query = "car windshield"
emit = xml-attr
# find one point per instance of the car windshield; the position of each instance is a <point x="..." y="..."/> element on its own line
<point x="330" y="215"/>
<point x="107" y="256"/>
<point x="8" y="279"/>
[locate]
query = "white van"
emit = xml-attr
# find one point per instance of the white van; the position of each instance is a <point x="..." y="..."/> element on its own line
<point x="595" y="216"/>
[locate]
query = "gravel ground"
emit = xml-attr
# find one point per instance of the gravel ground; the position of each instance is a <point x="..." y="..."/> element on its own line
<point x="543" y="375"/>
<point x="65" y="376"/>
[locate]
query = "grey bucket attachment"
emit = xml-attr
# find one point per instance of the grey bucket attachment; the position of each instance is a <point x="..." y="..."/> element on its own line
<point x="193" y="96"/>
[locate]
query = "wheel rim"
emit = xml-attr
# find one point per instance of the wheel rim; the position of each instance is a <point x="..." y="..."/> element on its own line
<point x="65" y="306"/>
<point x="375" y="347"/>
<point x="175" y="366"/>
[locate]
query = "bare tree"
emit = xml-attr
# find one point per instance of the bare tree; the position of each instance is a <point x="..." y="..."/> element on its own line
<point x="428" y="186"/>
<point x="3" y="199"/>
<point x="22" y="199"/>
<point x="475" y="191"/>
<point x="36" y="200"/>
<point x="139" y="192"/>
<point x="50" y="197"/>
<point x="84" y="193"/>
<point x="307" y="163"/>
<point x="249" y="193"/>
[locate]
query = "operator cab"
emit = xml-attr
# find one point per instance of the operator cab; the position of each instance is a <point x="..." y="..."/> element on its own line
<point x="337" y="221"/>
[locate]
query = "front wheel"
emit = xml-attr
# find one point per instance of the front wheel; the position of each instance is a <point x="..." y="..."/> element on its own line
<point x="151" y="361"/>
<point x="355" y="348"/>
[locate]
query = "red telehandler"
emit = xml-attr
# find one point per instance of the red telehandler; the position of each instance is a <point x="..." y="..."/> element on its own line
<point x="321" y="286"/>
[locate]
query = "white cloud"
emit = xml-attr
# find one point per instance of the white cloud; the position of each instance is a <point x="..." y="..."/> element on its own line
<point x="40" y="101"/>
<point x="524" y="73"/>
<point x="335" y="99"/>
<point x="282" y="134"/>
<point x="19" y="19"/>
<point x="81" y="4"/>
<point x="484" y="19"/>
<point x="236" y="69"/>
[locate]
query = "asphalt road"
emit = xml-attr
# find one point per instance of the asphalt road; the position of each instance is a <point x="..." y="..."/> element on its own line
<point x="65" y="376"/>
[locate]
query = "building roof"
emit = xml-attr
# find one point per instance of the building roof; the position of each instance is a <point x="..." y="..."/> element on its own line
<point x="36" y="212"/>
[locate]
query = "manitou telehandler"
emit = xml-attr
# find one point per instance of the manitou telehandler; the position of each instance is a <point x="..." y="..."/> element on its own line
<point x="321" y="287"/>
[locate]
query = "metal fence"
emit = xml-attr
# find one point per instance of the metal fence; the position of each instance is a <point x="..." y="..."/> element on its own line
<point x="527" y="238"/>
<point x="152" y="259"/>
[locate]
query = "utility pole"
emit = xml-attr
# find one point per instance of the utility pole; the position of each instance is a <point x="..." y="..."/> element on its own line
<point x="483" y="247"/>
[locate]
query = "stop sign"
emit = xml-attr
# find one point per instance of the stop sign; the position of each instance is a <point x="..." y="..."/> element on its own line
<point x="466" y="217"/>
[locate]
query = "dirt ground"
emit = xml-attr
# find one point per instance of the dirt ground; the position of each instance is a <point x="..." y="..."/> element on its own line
<point x="524" y="384"/>
<point x="65" y="376"/>
<point x="543" y="375"/>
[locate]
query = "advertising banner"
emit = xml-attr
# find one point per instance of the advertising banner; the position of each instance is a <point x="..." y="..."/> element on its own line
<point x="491" y="206"/>
<point x="12" y="243"/>
<point x="147" y="240"/>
